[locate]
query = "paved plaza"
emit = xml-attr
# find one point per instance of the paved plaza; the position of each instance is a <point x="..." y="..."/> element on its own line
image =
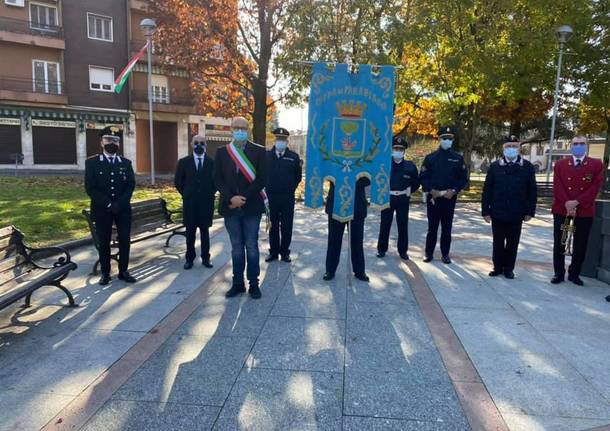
<point x="420" y="347"/>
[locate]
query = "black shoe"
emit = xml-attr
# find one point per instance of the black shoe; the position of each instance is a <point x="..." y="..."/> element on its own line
<point x="328" y="276"/>
<point x="255" y="292"/>
<point x="127" y="277"/>
<point x="381" y="254"/>
<point x="509" y="274"/>
<point x="235" y="290"/>
<point x="188" y="265"/>
<point x="495" y="273"/>
<point x="428" y="259"/>
<point x="271" y="258"/>
<point x="286" y="258"/>
<point x="576" y="280"/>
<point x="104" y="280"/>
<point x="404" y="256"/>
<point x="446" y="260"/>
<point x="362" y="277"/>
<point x="556" y="279"/>
<point x="206" y="263"/>
<point x="608" y="298"/>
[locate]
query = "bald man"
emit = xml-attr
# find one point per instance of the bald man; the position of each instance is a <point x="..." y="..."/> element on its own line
<point x="241" y="203"/>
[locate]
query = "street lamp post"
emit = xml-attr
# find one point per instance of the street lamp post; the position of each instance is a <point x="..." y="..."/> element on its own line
<point x="563" y="33"/>
<point x="149" y="27"/>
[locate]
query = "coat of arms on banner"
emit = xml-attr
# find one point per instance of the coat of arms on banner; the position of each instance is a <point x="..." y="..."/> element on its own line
<point x="350" y="133"/>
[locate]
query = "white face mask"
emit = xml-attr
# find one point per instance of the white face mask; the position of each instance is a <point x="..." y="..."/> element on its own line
<point x="446" y="143"/>
<point x="281" y="145"/>
<point x="398" y="155"/>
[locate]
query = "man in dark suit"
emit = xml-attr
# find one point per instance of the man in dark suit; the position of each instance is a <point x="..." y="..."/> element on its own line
<point x="109" y="182"/>
<point x="281" y="186"/>
<point x="242" y="203"/>
<point x="356" y="226"/>
<point x="509" y="199"/>
<point x="194" y="181"/>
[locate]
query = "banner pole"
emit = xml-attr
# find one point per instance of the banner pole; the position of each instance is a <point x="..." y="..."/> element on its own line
<point x="348" y="264"/>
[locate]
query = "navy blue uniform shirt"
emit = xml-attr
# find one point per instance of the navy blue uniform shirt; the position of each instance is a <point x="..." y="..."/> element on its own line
<point x="443" y="170"/>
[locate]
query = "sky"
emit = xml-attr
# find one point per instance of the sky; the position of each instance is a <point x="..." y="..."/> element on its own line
<point x="293" y="118"/>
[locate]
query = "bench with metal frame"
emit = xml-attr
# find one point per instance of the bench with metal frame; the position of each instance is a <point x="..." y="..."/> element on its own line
<point x="149" y="219"/>
<point x="24" y="269"/>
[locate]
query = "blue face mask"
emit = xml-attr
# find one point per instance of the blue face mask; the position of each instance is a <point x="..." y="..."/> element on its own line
<point x="281" y="145"/>
<point x="398" y="155"/>
<point x="511" y="153"/>
<point x="446" y="143"/>
<point x="579" y="150"/>
<point x="240" y="135"/>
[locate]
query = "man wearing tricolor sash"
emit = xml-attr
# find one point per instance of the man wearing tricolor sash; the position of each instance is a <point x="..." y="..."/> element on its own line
<point x="240" y="175"/>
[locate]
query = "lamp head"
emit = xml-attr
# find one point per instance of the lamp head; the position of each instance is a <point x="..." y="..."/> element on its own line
<point x="564" y="32"/>
<point x="148" y="26"/>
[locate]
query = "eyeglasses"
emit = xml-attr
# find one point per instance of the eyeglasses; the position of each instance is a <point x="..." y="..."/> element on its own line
<point x="579" y="143"/>
<point x="112" y="138"/>
<point x="198" y="143"/>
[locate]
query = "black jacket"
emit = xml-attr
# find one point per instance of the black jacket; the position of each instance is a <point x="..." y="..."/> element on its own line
<point x="197" y="190"/>
<point x="360" y="202"/>
<point x="443" y="170"/>
<point x="107" y="183"/>
<point x="285" y="173"/>
<point x="509" y="193"/>
<point x="230" y="181"/>
<point x="403" y="175"/>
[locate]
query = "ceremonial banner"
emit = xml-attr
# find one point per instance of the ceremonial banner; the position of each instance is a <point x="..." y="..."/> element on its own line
<point x="349" y="134"/>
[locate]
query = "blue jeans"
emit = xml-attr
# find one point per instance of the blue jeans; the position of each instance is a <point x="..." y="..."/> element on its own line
<point x="243" y="233"/>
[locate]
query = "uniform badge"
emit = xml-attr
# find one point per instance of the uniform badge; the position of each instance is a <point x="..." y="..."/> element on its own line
<point x="588" y="178"/>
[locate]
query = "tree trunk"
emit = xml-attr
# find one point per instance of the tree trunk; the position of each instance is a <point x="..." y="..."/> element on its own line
<point x="259" y="115"/>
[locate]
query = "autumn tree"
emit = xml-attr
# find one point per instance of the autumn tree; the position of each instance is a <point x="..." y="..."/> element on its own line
<point x="229" y="48"/>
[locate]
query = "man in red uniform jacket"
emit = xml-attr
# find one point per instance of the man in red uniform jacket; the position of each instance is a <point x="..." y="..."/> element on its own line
<point x="576" y="183"/>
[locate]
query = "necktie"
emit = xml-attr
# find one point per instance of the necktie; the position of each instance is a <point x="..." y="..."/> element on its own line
<point x="112" y="160"/>
<point x="578" y="163"/>
<point x="199" y="164"/>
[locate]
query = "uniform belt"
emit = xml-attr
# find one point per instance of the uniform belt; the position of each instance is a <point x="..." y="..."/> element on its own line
<point x="406" y="191"/>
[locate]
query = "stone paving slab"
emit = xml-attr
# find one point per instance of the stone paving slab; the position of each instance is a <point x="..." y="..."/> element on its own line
<point x="358" y="423"/>
<point x="28" y="411"/>
<point x="283" y="400"/>
<point x="544" y="423"/>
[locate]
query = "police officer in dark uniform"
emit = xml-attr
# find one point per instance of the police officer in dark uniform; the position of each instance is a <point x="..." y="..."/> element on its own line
<point x="194" y="181"/>
<point x="109" y="182"/>
<point x="281" y="186"/>
<point x="336" y="228"/>
<point x="404" y="180"/>
<point x="443" y="175"/>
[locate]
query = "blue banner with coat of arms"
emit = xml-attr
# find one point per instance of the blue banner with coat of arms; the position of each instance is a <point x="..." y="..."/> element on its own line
<point x="349" y="134"/>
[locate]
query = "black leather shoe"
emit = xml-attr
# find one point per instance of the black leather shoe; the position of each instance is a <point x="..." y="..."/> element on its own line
<point x="270" y="258"/>
<point x="362" y="277"/>
<point x="509" y="274"/>
<point x="576" y="280"/>
<point x="428" y="259"/>
<point x="127" y="277"/>
<point x="188" y="265"/>
<point x="236" y="289"/>
<point x="206" y="263"/>
<point x="380" y="254"/>
<point x="495" y="273"/>
<point x="255" y="292"/>
<point x="556" y="279"/>
<point x="404" y="256"/>
<point x="446" y="260"/>
<point x="328" y="276"/>
<point x="104" y="280"/>
<point x="286" y="258"/>
<point x="608" y="298"/>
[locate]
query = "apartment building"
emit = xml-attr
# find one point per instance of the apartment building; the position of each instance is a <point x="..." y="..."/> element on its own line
<point x="59" y="62"/>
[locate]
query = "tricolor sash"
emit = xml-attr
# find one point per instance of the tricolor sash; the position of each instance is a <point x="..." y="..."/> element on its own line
<point x="247" y="169"/>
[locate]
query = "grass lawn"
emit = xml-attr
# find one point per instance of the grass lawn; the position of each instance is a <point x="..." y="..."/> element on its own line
<point x="48" y="209"/>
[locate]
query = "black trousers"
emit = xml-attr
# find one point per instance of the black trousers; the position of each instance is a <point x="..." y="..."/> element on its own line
<point x="191" y="234"/>
<point x="441" y="212"/>
<point x="582" y="227"/>
<point x="402" y="223"/>
<point x="281" y="208"/>
<point x="104" y="222"/>
<point x="335" y="238"/>
<point x="506" y="236"/>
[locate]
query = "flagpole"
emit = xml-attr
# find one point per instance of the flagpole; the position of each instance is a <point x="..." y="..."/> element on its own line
<point x="148" y="28"/>
<point x="348" y="264"/>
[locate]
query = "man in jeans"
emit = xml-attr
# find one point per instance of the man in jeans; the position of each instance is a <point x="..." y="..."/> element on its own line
<point x="240" y="175"/>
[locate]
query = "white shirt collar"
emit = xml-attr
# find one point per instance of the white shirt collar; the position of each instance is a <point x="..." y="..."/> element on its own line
<point x="108" y="156"/>
<point x="574" y="158"/>
<point x="197" y="157"/>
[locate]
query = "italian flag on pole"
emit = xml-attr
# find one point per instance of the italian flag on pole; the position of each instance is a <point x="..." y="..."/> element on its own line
<point x="120" y="81"/>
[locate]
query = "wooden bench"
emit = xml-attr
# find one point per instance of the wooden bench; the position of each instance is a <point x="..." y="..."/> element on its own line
<point x="149" y="218"/>
<point x="545" y="190"/>
<point x="23" y="269"/>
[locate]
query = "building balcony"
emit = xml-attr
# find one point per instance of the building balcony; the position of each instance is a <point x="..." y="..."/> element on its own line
<point x="32" y="91"/>
<point x="31" y="33"/>
<point x="139" y="5"/>
<point x="176" y="101"/>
